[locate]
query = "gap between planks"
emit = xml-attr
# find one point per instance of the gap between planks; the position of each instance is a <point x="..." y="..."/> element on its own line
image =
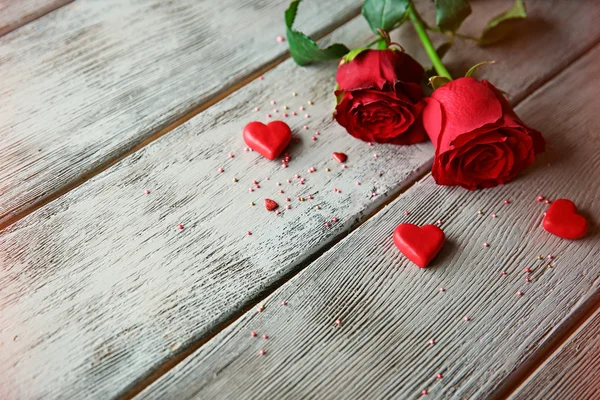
<point x="15" y="216"/>
<point x="513" y="381"/>
<point x="32" y="15"/>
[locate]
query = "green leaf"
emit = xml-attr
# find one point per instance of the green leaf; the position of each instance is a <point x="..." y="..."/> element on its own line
<point x="443" y="49"/>
<point x="451" y="13"/>
<point x="385" y="14"/>
<point x="474" y="67"/>
<point x="437" y="81"/>
<point x="501" y="25"/>
<point x="303" y="49"/>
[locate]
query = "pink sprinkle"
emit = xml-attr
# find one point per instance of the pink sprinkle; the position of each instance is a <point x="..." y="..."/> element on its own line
<point x="284" y="166"/>
<point x="432" y="342"/>
<point x="357" y="183"/>
<point x="250" y="190"/>
<point x="405" y="212"/>
<point x="439" y="376"/>
<point x="424" y="392"/>
<point x="280" y="39"/>
<point x="374" y="194"/>
<point x="527" y="280"/>
<point x="230" y="155"/>
<point x="294" y="113"/>
<point x="289" y="181"/>
<point x="467" y="318"/>
<point x="302" y="181"/>
<point x="550" y="256"/>
<point x="180" y="227"/>
<point x="275" y="110"/>
<point x="281" y="191"/>
<point x="338" y="322"/>
<point x="327" y="225"/>
<point x="265" y="336"/>
<point x="260" y="308"/>
<point x="506" y="201"/>
<point x="305" y="127"/>
<point x="519" y="293"/>
<point x="287" y="199"/>
<point x="262" y="352"/>
<point x="494" y="216"/>
<point x="261" y="78"/>
<point x="370" y="144"/>
<point x="317" y="132"/>
<point x="442" y="290"/>
<point x="248" y="233"/>
<point x="277" y="212"/>
<point x="287" y="207"/>
<point x="335" y="219"/>
<point x="310" y="197"/>
<point x="344" y="166"/>
<point x="253" y="334"/>
<point x="284" y="114"/>
<point x="547" y="201"/>
<point x="146" y="191"/>
<point x="268" y="115"/>
<point x="314" y="138"/>
<point x="539" y="199"/>
<point x="273" y="102"/>
<point x="375" y="155"/>
<point x="221" y="170"/>
<point x="278" y="183"/>
<point x="439" y="222"/>
<point x="503" y="272"/>
<point x="301" y="108"/>
<point x="284" y="303"/>
<point x="486" y="244"/>
<point x="256" y="109"/>
<point x="296" y="176"/>
<point x="257" y="186"/>
<point x="527" y="270"/>
<point x="306" y="116"/>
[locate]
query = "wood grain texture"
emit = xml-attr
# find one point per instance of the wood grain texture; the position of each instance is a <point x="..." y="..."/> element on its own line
<point x="88" y="83"/>
<point x="390" y="309"/>
<point x="572" y="372"/>
<point x="103" y="284"/>
<point x="119" y="290"/>
<point x="16" y="13"/>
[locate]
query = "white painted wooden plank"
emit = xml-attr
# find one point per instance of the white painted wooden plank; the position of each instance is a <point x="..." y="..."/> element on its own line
<point x="92" y="80"/>
<point x="16" y="13"/>
<point x="101" y="282"/>
<point x="572" y="372"/>
<point x="390" y="309"/>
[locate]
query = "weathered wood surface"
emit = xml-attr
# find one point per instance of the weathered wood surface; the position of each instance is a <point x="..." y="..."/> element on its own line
<point x="390" y="309"/>
<point x="103" y="284"/>
<point x="572" y="372"/>
<point x="16" y="13"/>
<point x="94" y="79"/>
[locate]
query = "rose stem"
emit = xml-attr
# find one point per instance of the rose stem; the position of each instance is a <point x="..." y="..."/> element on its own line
<point x="422" y="32"/>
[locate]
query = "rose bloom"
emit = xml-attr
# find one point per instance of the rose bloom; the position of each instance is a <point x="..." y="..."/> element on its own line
<point x="479" y="140"/>
<point x="379" y="97"/>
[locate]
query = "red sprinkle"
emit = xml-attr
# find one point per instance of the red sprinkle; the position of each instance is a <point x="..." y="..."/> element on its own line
<point x="265" y="336"/>
<point x="284" y="303"/>
<point x="249" y="233"/>
<point x="262" y="352"/>
<point x="253" y="334"/>
<point x="146" y="191"/>
<point x="439" y="376"/>
<point x="270" y="205"/>
<point x="180" y="227"/>
<point x="506" y="201"/>
<point x="527" y="270"/>
<point x="335" y="219"/>
<point x="424" y="392"/>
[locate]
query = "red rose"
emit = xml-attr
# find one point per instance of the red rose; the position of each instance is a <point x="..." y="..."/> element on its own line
<point x="379" y="97"/>
<point x="479" y="140"/>
<point x="376" y="68"/>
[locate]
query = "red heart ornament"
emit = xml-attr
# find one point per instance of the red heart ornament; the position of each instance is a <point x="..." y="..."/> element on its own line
<point x="269" y="140"/>
<point x="563" y="221"/>
<point x="339" y="157"/>
<point x="419" y="245"/>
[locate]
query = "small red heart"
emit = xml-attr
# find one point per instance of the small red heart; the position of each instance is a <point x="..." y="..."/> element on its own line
<point x="269" y="140"/>
<point x="270" y="205"/>
<point x="340" y="157"/>
<point x="563" y="221"/>
<point x="419" y="245"/>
